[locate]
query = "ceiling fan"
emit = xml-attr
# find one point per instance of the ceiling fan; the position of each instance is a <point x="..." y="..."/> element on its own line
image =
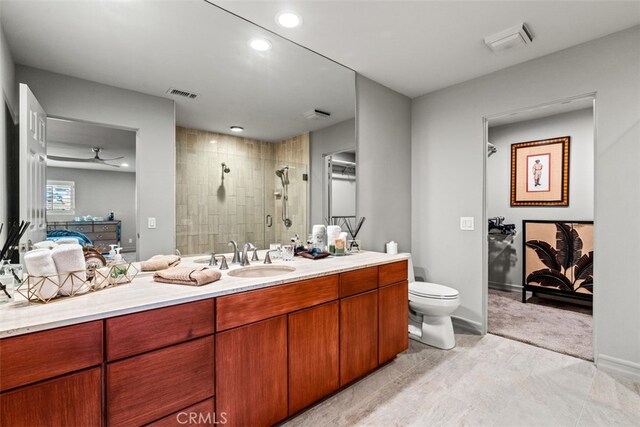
<point x="95" y="159"/>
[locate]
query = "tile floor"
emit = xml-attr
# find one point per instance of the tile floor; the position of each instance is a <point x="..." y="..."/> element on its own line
<point x="483" y="381"/>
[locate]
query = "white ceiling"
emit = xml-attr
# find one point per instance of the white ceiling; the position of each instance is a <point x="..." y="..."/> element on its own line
<point x="416" y="47"/>
<point x="75" y="139"/>
<point x="151" y="46"/>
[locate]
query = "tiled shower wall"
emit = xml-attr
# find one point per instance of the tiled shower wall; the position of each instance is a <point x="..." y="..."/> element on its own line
<point x="212" y="209"/>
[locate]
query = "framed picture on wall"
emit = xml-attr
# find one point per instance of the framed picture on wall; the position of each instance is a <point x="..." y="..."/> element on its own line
<point x="540" y="172"/>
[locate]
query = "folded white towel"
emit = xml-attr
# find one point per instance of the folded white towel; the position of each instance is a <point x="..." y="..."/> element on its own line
<point x="39" y="262"/>
<point x="45" y="244"/>
<point x="67" y="241"/>
<point x="70" y="259"/>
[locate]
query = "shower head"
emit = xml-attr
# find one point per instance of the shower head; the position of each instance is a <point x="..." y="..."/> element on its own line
<point x="225" y="168"/>
<point x="283" y="174"/>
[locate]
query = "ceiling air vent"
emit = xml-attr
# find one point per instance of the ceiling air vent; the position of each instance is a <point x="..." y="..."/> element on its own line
<point x="518" y="35"/>
<point x="316" y="114"/>
<point x="183" y="93"/>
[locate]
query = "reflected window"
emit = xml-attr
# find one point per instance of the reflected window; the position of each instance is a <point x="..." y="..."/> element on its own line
<point x="61" y="197"/>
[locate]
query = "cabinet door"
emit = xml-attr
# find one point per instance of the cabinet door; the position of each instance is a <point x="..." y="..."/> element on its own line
<point x="251" y="373"/>
<point x="313" y="355"/>
<point x="393" y="328"/>
<point x="358" y="335"/>
<point x="71" y="400"/>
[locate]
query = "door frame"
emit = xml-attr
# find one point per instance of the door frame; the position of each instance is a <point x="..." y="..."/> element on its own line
<point x="485" y="218"/>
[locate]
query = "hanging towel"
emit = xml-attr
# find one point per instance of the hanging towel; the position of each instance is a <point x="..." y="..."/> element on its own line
<point x="39" y="263"/>
<point x="187" y="276"/>
<point x="160" y="262"/>
<point x="69" y="258"/>
<point x="45" y="244"/>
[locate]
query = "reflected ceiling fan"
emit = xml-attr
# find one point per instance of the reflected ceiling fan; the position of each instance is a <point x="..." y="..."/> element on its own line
<point x="95" y="159"/>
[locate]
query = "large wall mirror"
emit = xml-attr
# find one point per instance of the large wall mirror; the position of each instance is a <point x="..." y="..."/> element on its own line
<point x="262" y="184"/>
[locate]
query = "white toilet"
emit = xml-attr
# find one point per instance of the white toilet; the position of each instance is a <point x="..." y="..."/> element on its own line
<point x="430" y="308"/>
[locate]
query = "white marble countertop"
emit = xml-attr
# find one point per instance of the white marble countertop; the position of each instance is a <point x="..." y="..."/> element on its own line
<point x="143" y="293"/>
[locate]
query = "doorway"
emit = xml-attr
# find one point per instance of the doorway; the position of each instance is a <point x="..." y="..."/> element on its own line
<point x="539" y="223"/>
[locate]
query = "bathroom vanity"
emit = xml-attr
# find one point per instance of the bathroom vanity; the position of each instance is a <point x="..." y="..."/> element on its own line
<point x="239" y="351"/>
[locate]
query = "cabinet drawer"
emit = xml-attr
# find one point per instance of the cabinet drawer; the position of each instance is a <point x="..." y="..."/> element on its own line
<point x="392" y="273"/>
<point x="150" y="386"/>
<point x="71" y="400"/>
<point x="248" y="307"/>
<point x="101" y="228"/>
<point x="102" y="236"/>
<point x="33" y="357"/>
<point x="84" y="228"/>
<point x="141" y="332"/>
<point x="358" y="281"/>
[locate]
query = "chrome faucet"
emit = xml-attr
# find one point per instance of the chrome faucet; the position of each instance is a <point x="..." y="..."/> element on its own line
<point x="236" y="253"/>
<point x="245" y="259"/>
<point x="212" y="261"/>
<point x="255" y="255"/>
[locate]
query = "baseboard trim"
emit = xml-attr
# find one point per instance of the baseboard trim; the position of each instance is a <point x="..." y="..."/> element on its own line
<point x="624" y="367"/>
<point x="505" y="287"/>
<point x="467" y="325"/>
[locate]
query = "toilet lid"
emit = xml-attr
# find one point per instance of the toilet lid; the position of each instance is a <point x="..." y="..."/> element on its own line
<point x="432" y="290"/>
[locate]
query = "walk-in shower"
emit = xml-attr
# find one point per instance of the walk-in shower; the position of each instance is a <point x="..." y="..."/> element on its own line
<point x="283" y="174"/>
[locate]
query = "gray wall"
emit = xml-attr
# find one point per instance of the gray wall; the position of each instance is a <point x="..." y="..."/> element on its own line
<point x="384" y="161"/>
<point x="339" y="137"/>
<point x="505" y="257"/>
<point x="99" y="192"/>
<point x="153" y="118"/>
<point x="448" y="155"/>
<point x="9" y="95"/>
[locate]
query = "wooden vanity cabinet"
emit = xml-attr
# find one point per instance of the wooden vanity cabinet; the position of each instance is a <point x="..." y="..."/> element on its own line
<point x="358" y="335"/>
<point x="251" y="373"/>
<point x="313" y="337"/>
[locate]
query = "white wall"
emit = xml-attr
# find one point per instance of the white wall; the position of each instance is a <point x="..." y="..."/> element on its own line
<point x="154" y="119"/>
<point x="383" y="172"/>
<point x="9" y="95"/>
<point x="448" y="155"/>
<point x="99" y="192"/>
<point x="576" y="124"/>
<point x="339" y="137"/>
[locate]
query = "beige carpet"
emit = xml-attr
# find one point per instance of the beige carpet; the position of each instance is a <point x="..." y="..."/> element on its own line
<point x="562" y="327"/>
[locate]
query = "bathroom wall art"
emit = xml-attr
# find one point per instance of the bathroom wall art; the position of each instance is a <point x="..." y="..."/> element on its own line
<point x="540" y="172"/>
<point x="558" y="258"/>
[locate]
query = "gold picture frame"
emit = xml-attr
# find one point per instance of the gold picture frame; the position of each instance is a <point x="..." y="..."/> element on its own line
<point x="540" y="172"/>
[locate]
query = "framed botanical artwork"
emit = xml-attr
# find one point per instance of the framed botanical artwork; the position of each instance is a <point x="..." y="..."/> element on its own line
<point x="540" y="172"/>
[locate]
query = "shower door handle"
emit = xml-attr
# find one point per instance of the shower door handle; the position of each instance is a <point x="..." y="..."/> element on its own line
<point x="269" y="220"/>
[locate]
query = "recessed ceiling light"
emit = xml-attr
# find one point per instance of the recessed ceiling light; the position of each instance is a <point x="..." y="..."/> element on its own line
<point x="236" y="128"/>
<point x="261" y="45"/>
<point x="124" y="164"/>
<point x="288" y="19"/>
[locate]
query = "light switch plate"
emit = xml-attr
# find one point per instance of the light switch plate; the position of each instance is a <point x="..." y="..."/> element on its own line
<point x="151" y="222"/>
<point x="466" y="223"/>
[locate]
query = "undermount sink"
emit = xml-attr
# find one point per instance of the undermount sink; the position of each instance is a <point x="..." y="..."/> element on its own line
<point x="261" y="271"/>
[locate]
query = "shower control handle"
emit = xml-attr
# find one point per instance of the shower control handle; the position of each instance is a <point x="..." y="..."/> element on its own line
<point x="269" y="221"/>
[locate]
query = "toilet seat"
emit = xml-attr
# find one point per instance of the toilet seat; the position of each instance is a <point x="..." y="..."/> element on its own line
<point x="432" y="290"/>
